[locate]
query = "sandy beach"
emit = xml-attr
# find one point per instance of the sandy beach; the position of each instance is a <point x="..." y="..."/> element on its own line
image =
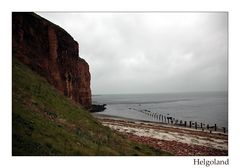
<point x="179" y="141"/>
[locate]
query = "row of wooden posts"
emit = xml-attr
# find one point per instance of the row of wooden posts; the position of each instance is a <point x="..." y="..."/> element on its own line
<point x="171" y="120"/>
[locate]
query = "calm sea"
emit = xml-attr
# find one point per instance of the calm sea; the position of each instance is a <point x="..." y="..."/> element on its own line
<point x="206" y="107"/>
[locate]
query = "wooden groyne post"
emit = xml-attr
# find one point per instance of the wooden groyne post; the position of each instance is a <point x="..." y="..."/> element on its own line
<point x="181" y="122"/>
<point x="159" y="117"/>
<point x="224" y="130"/>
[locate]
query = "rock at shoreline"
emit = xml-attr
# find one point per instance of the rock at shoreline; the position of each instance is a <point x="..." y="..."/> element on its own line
<point x="97" y="107"/>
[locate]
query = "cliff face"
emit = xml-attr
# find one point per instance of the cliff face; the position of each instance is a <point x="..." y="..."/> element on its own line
<point x="52" y="52"/>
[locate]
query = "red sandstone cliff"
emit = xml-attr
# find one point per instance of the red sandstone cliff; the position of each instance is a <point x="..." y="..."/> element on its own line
<point x="52" y="52"/>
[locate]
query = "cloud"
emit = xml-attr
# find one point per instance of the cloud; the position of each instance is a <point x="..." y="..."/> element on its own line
<point x="150" y="52"/>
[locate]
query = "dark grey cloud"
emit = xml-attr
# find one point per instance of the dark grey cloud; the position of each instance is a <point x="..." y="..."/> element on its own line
<point x="150" y="52"/>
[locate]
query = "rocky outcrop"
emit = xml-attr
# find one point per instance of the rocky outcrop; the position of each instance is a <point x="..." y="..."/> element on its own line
<point x="97" y="108"/>
<point x="52" y="52"/>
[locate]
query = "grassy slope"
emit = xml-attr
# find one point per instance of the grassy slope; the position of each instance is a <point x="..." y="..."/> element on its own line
<point x="47" y="123"/>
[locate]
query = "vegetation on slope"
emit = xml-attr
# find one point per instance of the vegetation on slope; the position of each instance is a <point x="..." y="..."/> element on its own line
<point x="44" y="122"/>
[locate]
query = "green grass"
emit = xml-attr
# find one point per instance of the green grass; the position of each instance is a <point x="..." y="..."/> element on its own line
<point x="44" y="122"/>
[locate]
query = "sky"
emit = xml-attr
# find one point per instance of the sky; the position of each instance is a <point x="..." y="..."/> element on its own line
<point x="150" y="52"/>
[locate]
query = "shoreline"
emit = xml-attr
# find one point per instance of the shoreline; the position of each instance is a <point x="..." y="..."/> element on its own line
<point x="178" y="140"/>
<point x="105" y="116"/>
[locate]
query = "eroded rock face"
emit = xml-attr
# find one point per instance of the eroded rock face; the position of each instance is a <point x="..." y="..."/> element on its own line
<point x="52" y="52"/>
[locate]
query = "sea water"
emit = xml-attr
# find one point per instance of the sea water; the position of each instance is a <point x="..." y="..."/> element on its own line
<point x="202" y="107"/>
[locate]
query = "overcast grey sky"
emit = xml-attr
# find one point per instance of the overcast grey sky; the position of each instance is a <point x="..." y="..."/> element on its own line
<point x="150" y="52"/>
